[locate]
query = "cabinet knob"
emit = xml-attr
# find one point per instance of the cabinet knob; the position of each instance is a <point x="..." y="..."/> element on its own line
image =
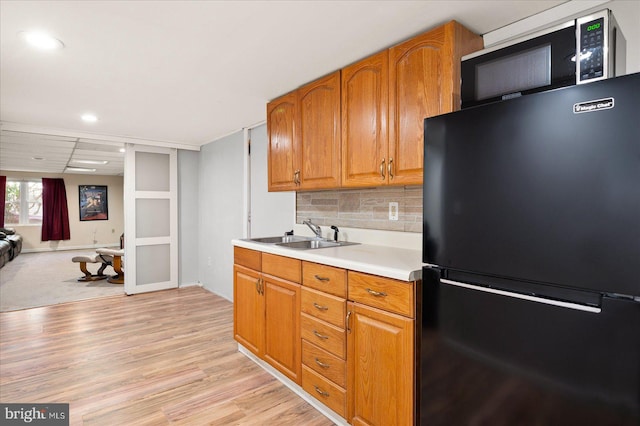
<point x="320" y="336"/>
<point x="320" y="307"/>
<point x="376" y="293"/>
<point x="321" y="392"/>
<point x="322" y="364"/>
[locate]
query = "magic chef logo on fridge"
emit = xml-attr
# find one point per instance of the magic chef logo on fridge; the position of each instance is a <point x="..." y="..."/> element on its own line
<point x="591" y="106"/>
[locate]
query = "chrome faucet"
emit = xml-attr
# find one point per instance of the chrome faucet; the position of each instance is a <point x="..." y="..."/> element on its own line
<point x="315" y="228"/>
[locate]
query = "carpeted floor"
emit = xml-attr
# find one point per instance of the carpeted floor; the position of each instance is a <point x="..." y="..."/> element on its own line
<point x="49" y="278"/>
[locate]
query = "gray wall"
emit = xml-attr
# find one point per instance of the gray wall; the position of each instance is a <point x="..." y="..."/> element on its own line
<point x="188" y="187"/>
<point x="211" y="188"/>
<point x="272" y="213"/>
<point x="220" y="205"/>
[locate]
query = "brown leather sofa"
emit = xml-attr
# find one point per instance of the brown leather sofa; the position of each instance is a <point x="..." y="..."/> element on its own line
<point x="10" y="245"/>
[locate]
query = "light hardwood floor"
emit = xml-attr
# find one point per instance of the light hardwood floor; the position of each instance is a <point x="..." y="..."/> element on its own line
<point x="151" y="359"/>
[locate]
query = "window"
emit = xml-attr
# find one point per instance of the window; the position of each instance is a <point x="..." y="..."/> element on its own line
<point x="23" y="203"/>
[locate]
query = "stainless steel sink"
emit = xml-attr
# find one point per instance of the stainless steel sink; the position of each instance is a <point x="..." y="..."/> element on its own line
<point x="280" y="239"/>
<point x="314" y="244"/>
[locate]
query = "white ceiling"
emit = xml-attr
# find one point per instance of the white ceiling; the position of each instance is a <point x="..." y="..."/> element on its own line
<point x="189" y="72"/>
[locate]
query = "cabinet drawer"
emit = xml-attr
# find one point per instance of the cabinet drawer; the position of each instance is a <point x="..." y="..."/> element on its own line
<point x="249" y="258"/>
<point x="324" y="363"/>
<point x="325" y="278"/>
<point x="329" y="308"/>
<point x="282" y="267"/>
<point x="384" y="293"/>
<point x="323" y="335"/>
<point x="324" y="391"/>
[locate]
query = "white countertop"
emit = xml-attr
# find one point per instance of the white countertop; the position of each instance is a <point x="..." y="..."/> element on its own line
<point x="390" y="262"/>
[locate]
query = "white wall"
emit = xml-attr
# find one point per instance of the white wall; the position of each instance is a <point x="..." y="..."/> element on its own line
<point x="86" y="234"/>
<point x="627" y="13"/>
<point x="220" y="211"/>
<point x="188" y="212"/>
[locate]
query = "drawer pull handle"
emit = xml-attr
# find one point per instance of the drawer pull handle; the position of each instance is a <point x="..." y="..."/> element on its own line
<point x="320" y="307"/>
<point x="322" y="364"/>
<point x="376" y="293"/>
<point x="321" y="392"/>
<point x="321" y="336"/>
<point x="319" y="278"/>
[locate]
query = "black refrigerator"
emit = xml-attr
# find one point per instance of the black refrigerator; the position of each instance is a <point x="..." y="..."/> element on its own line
<point x="531" y="251"/>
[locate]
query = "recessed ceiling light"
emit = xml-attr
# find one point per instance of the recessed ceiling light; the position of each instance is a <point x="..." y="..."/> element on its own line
<point x="41" y="40"/>
<point x="37" y="158"/>
<point x="122" y="150"/>
<point x="90" y="161"/>
<point x="89" y="118"/>
<point x="78" y="169"/>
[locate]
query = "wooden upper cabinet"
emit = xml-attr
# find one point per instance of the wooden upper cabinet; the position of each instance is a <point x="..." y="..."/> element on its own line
<point x="318" y="136"/>
<point x="365" y="99"/>
<point x="424" y="75"/>
<point x="282" y="161"/>
<point x="366" y="127"/>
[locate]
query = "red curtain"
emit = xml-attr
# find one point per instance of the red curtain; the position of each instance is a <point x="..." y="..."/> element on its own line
<point x="3" y="188"/>
<point x="55" y="213"/>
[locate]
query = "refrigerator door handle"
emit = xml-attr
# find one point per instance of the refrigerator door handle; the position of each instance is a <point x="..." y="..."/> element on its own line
<point x="553" y="302"/>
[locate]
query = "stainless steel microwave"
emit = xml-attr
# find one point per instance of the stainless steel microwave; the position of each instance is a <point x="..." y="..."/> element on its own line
<point x="586" y="49"/>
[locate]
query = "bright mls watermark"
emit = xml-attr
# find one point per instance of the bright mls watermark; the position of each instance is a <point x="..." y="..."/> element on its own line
<point x="34" y="414"/>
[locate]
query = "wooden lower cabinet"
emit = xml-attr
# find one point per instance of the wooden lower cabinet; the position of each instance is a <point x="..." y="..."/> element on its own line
<point x="325" y="363"/>
<point x="324" y="344"/>
<point x="248" y="309"/>
<point x="266" y="310"/>
<point x="347" y="338"/>
<point x="324" y="390"/>
<point x="282" y="326"/>
<point x="380" y="367"/>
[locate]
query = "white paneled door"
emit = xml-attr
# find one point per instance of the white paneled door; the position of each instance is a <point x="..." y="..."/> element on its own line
<point x="151" y="219"/>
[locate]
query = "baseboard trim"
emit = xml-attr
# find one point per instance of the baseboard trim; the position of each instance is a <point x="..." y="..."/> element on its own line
<point x="323" y="409"/>
<point x="65" y="248"/>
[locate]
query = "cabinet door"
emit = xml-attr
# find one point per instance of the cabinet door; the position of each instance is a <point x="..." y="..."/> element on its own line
<point x="282" y="326"/>
<point x="381" y="369"/>
<point x="248" y="309"/>
<point x="281" y="131"/>
<point x="365" y="101"/>
<point x="318" y="133"/>
<point x="424" y="80"/>
<point x="417" y="69"/>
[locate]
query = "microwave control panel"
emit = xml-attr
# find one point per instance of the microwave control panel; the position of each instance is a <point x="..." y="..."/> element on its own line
<point x="592" y="54"/>
<point x="597" y="39"/>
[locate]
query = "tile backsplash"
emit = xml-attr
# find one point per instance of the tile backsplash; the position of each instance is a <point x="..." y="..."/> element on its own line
<point x="363" y="208"/>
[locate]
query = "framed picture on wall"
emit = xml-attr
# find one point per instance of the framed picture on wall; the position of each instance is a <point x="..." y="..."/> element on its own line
<point x="93" y="202"/>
